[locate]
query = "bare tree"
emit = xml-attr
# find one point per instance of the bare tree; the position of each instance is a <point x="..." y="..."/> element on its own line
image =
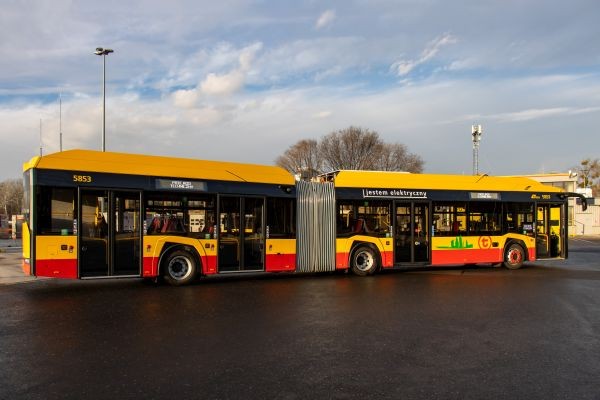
<point x="589" y="175"/>
<point x="302" y="158"/>
<point x="11" y="196"/>
<point x="395" y="157"/>
<point x="351" y="148"/>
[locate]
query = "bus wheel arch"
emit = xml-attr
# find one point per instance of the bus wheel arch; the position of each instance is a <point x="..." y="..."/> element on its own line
<point x="180" y="265"/>
<point x="364" y="259"/>
<point x="514" y="254"/>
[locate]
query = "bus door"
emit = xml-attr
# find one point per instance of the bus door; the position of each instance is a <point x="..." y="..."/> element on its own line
<point x="241" y="234"/>
<point x="411" y="232"/>
<point x="550" y="231"/>
<point x="109" y="233"/>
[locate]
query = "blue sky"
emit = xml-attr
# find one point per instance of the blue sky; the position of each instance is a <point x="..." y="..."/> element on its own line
<point x="244" y="80"/>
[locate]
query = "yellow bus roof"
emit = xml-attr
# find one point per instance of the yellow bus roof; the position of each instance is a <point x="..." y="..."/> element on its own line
<point x="401" y="180"/>
<point x="137" y="164"/>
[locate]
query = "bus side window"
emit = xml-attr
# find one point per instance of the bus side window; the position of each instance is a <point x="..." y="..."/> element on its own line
<point x="359" y="226"/>
<point x="172" y="225"/>
<point x="455" y="227"/>
<point x="155" y="225"/>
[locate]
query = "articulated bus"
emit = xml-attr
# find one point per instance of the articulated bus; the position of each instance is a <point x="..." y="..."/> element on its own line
<point x="91" y="214"/>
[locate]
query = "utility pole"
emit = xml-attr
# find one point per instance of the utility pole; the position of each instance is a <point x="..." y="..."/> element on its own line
<point x="60" y="120"/>
<point x="476" y="132"/>
<point x="40" y="137"/>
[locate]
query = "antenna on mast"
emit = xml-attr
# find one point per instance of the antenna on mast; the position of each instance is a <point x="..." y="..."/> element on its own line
<point x="476" y="132"/>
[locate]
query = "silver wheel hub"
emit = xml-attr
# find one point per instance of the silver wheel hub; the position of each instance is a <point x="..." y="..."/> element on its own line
<point x="364" y="261"/>
<point x="514" y="256"/>
<point x="179" y="267"/>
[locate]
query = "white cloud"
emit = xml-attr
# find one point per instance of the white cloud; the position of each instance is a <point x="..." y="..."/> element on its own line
<point x="542" y="113"/>
<point x="248" y="54"/>
<point x="535" y="113"/>
<point x="325" y="19"/>
<point x="322" y="114"/>
<point x="434" y="47"/>
<point x="185" y="98"/>
<point x="404" y="67"/>
<point x="225" y="84"/>
<point x="463" y="64"/>
<point x="208" y="116"/>
<point x="441" y="114"/>
<point x="323" y="57"/>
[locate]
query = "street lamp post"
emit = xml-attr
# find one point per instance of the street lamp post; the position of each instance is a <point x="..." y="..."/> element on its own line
<point x="103" y="52"/>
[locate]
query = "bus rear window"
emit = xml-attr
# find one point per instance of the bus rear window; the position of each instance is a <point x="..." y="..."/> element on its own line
<point x="26" y="195"/>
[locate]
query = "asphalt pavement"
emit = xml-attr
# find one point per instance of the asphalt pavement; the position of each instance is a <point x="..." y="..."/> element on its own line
<point x="10" y="263"/>
<point x="460" y="333"/>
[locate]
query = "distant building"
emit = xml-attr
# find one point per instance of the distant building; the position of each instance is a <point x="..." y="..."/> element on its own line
<point x="580" y="222"/>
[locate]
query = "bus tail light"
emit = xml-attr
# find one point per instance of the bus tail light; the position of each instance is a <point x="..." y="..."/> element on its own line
<point x="26" y="266"/>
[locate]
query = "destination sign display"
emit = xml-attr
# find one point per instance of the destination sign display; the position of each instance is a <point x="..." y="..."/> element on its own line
<point x="484" y="196"/>
<point x="177" y="184"/>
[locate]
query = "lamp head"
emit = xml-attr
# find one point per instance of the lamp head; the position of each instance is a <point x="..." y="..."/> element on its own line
<point x="102" y="51"/>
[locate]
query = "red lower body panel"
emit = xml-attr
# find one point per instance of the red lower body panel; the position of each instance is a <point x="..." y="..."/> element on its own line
<point x="209" y="265"/>
<point x="471" y="256"/>
<point x="150" y="267"/>
<point x="531" y="253"/>
<point x="56" y="268"/>
<point x="341" y="260"/>
<point x="387" y="259"/>
<point x="280" y="262"/>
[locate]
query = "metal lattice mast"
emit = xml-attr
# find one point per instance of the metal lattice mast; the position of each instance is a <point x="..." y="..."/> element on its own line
<point x="476" y="132"/>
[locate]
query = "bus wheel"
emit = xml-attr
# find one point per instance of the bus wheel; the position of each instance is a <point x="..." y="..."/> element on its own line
<point x="514" y="257"/>
<point x="364" y="261"/>
<point x="179" y="268"/>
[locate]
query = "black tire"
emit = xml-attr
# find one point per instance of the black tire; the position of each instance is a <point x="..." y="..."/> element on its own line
<point x="514" y="256"/>
<point x="364" y="261"/>
<point x="179" y="268"/>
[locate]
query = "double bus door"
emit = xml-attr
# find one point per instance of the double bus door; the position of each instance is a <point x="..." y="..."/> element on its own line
<point x="241" y="235"/>
<point x="109" y="233"/>
<point x="550" y="232"/>
<point x="412" y="236"/>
